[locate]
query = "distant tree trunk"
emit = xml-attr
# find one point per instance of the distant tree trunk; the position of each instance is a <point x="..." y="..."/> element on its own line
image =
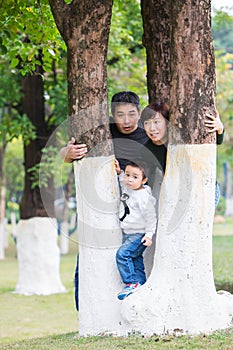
<point x="64" y="233"/>
<point x="229" y="190"/>
<point x="156" y="39"/>
<point x="37" y="250"/>
<point x="2" y="199"/>
<point x="85" y="28"/>
<point x="180" y="297"/>
<point x="33" y="106"/>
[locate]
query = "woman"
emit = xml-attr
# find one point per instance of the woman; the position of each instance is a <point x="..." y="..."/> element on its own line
<point x="155" y="119"/>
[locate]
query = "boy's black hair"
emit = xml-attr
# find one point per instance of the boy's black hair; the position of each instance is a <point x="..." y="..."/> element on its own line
<point x="153" y="108"/>
<point x="141" y="166"/>
<point x="123" y="97"/>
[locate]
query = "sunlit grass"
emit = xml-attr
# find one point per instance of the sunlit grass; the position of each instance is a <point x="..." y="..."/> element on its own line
<point x="50" y="322"/>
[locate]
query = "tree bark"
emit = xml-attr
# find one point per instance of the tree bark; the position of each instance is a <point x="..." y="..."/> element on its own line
<point x="32" y="204"/>
<point x="193" y="73"/>
<point x="156" y="39"/>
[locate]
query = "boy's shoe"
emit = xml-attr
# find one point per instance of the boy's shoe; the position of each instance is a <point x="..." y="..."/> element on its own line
<point x="129" y="289"/>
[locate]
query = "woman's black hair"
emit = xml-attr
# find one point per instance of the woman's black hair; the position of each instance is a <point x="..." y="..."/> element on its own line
<point x="153" y="108"/>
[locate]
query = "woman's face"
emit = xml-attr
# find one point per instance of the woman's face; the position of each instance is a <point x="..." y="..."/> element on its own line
<point x="156" y="129"/>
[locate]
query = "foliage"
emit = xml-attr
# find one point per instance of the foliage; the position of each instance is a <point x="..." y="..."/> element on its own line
<point x="222" y="28"/>
<point x="42" y="172"/>
<point x="28" y="29"/>
<point x="224" y="70"/>
<point x="14" y="170"/>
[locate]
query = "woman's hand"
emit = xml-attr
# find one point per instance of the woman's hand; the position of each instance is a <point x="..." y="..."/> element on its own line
<point x="214" y="123"/>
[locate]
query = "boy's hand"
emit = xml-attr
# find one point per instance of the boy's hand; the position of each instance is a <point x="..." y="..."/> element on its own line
<point x="72" y="152"/>
<point x="146" y="241"/>
<point x="214" y="123"/>
<point x="117" y="167"/>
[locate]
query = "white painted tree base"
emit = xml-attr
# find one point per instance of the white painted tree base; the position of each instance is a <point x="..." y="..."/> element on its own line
<point x="2" y="240"/>
<point x="99" y="237"/>
<point x="38" y="257"/>
<point x="64" y="237"/>
<point x="179" y="297"/>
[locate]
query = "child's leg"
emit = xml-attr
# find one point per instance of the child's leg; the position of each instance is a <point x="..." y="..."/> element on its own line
<point x="140" y="268"/>
<point x="131" y="248"/>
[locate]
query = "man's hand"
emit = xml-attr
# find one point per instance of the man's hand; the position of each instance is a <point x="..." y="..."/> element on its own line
<point x="146" y="241"/>
<point x="73" y="152"/>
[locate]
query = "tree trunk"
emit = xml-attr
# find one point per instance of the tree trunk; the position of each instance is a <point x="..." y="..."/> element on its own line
<point x="229" y="190"/>
<point x="179" y="296"/>
<point x="156" y="39"/>
<point x="64" y="232"/>
<point x="85" y="29"/>
<point x="32" y="204"/>
<point x="37" y="249"/>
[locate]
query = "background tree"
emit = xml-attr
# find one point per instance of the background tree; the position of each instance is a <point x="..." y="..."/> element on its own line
<point x="30" y="51"/>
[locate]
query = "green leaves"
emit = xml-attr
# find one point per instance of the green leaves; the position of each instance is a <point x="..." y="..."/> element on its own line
<point x="27" y="29"/>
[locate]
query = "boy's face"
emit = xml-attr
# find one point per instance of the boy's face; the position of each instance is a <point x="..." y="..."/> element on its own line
<point x="156" y="129"/>
<point x="126" y="118"/>
<point x="133" y="178"/>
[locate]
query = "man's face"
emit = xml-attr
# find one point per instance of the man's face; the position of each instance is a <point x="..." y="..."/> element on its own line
<point x="126" y="118"/>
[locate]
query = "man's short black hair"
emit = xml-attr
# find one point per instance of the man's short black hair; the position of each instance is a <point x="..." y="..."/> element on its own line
<point x="123" y="97"/>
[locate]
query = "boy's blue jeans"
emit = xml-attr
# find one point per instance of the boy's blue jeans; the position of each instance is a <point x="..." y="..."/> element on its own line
<point x="130" y="260"/>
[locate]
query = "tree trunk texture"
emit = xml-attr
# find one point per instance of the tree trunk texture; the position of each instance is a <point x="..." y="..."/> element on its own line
<point x="156" y="39"/>
<point x="32" y="204"/>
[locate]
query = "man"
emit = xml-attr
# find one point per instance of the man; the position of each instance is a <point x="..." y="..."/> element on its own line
<point x="128" y="138"/>
<point x="126" y="132"/>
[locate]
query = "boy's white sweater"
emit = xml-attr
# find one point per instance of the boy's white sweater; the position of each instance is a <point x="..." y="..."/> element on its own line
<point x="142" y="217"/>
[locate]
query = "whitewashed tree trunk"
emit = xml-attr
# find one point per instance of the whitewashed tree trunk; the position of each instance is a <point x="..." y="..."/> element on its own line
<point x="99" y="237"/>
<point x="180" y="295"/>
<point x="6" y="240"/>
<point x="13" y="225"/>
<point x="38" y="257"/>
<point x="2" y="250"/>
<point x="64" y="237"/>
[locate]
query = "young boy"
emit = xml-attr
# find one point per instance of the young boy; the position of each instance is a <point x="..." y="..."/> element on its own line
<point x="138" y="223"/>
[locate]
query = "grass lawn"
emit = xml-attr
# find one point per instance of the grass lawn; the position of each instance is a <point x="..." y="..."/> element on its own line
<point x="50" y="322"/>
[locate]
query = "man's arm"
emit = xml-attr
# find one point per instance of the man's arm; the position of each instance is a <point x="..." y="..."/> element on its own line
<point x="73" y="151"/>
